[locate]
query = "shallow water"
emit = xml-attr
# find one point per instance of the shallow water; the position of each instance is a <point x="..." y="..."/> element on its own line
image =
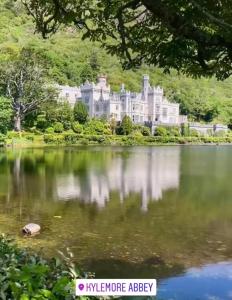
<point x="139" y="212"/>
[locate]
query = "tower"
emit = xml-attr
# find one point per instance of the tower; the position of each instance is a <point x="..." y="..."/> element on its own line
<point x="146" y="86"/>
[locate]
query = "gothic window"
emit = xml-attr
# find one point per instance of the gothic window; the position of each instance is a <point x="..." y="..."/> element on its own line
<point x="67" y="95"/>
<point x="86" y="99"/>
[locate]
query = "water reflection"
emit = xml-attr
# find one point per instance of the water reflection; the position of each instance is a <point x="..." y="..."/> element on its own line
<point x="191" y="226"/>
<point x="211" y="282"/>
<point x="146" y="172"/>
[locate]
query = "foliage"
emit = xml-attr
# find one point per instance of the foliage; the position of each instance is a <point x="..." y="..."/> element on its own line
<point x="126" y="125"/>
<point x="5" y="114"/>
<point x="2" y="140"/>
<point x="58" y="127"/>
<point x="144" y="130"/>
<point x="58" y="112"/>
<point x="161" y="131"/>
<point x="27" y="276"/>
<point x="193" y="132"/>
<point x="49" y="130"/>
<point x="96" y="126"/>
<point x="77" y="127"/>
<point x="23" y="81"/>
<point x="41" y="121"/>
<point x="163" y="32"/>
<point x="130" y="140"/>
<point x="80" y="112"/>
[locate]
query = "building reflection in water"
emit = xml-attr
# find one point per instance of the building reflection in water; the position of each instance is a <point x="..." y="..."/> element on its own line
<point x="148" y="172"/>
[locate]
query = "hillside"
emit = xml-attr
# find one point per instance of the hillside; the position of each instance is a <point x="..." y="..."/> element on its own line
<point x="72" y="60"/>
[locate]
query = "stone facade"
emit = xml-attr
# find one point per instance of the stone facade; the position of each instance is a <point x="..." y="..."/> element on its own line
<point x="150" y="105"/>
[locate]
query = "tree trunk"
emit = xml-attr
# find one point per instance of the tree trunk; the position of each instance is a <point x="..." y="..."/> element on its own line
<point x="17" y="123"/>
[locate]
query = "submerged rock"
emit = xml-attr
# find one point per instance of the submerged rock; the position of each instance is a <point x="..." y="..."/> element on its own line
<point x="31" y="229"/>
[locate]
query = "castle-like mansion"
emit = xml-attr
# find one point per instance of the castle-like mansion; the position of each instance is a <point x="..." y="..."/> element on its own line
<point x="149" y="105"/>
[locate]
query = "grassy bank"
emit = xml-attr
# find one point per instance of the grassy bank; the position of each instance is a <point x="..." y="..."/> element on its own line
<point x="25" y="276"/>
<point x="69" y="139"/>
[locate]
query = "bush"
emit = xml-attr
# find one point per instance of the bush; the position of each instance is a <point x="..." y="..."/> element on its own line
<point x="27" y="276"/>
<point x="41" y="122"/>
<point x="58" y="127"/>
<point x="54" y="139"/>
<point x="146" y="131"/>
<point x="77" y="128"/>
<point x="30" y="137"/>
<point x="13" y="135"/>
<point x="94" y="126"/>
<point x="173" y="131"/>
<point x="126" y="125"/>
<point x="49" y="130"/>
<point x="194" y="132"/>
<point x="161" y="131"/>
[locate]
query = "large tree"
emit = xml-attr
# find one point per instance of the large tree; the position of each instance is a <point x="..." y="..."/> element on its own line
<point x="192" y="36"/>
<point x="23" y="80"/>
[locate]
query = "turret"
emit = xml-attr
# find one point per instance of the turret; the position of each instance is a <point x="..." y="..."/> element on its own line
<point x="146" y="86"/>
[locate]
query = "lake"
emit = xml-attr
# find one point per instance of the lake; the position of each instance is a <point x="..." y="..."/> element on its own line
<point x="128" y="212"/>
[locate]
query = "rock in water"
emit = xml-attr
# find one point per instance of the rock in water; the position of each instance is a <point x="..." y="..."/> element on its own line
<point x="31" y="229"/>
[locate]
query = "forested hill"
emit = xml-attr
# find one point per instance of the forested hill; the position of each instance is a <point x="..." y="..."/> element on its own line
<point x="72" y="60"/>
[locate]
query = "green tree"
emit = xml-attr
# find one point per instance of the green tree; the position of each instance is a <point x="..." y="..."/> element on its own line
<point x="192" y="37"/>
<point x="23" y="80"/>
<point x="80" y="112"/>
<point x="126" y="125"/>
<point x="6" y="112"/>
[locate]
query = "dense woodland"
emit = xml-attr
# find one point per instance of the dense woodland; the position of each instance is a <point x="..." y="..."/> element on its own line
<point x="70" y="60"/>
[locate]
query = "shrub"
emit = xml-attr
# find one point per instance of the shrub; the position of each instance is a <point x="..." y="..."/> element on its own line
<point x="84" y="142"/>
<point x="146" y="131"/>
<point x="161" y="131"/>
<point x="49" y="130"/>
<point x="13" y="134"/>
<point x="94" y="126"/>
<point x="29" y="276"/>
<point x="71" y="138"/>
<point x="173" y="131"/>
<point x="77" y="127"/>
<point x="54" y="139"/>
<point x="126" y="125"/>
<point x="58" y="127"/>
<point x="194" y="132"/>
<point x="30" y="137"/>
<point x="41" y="122"/>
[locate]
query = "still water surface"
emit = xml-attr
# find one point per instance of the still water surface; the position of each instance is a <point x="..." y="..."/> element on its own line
<point x="139" y="212"/>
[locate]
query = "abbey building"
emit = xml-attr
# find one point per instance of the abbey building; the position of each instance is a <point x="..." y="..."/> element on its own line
<point x="150" y="105"/>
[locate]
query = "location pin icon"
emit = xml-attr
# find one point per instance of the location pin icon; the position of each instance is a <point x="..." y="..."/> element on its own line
<point x="81" y="286"/>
